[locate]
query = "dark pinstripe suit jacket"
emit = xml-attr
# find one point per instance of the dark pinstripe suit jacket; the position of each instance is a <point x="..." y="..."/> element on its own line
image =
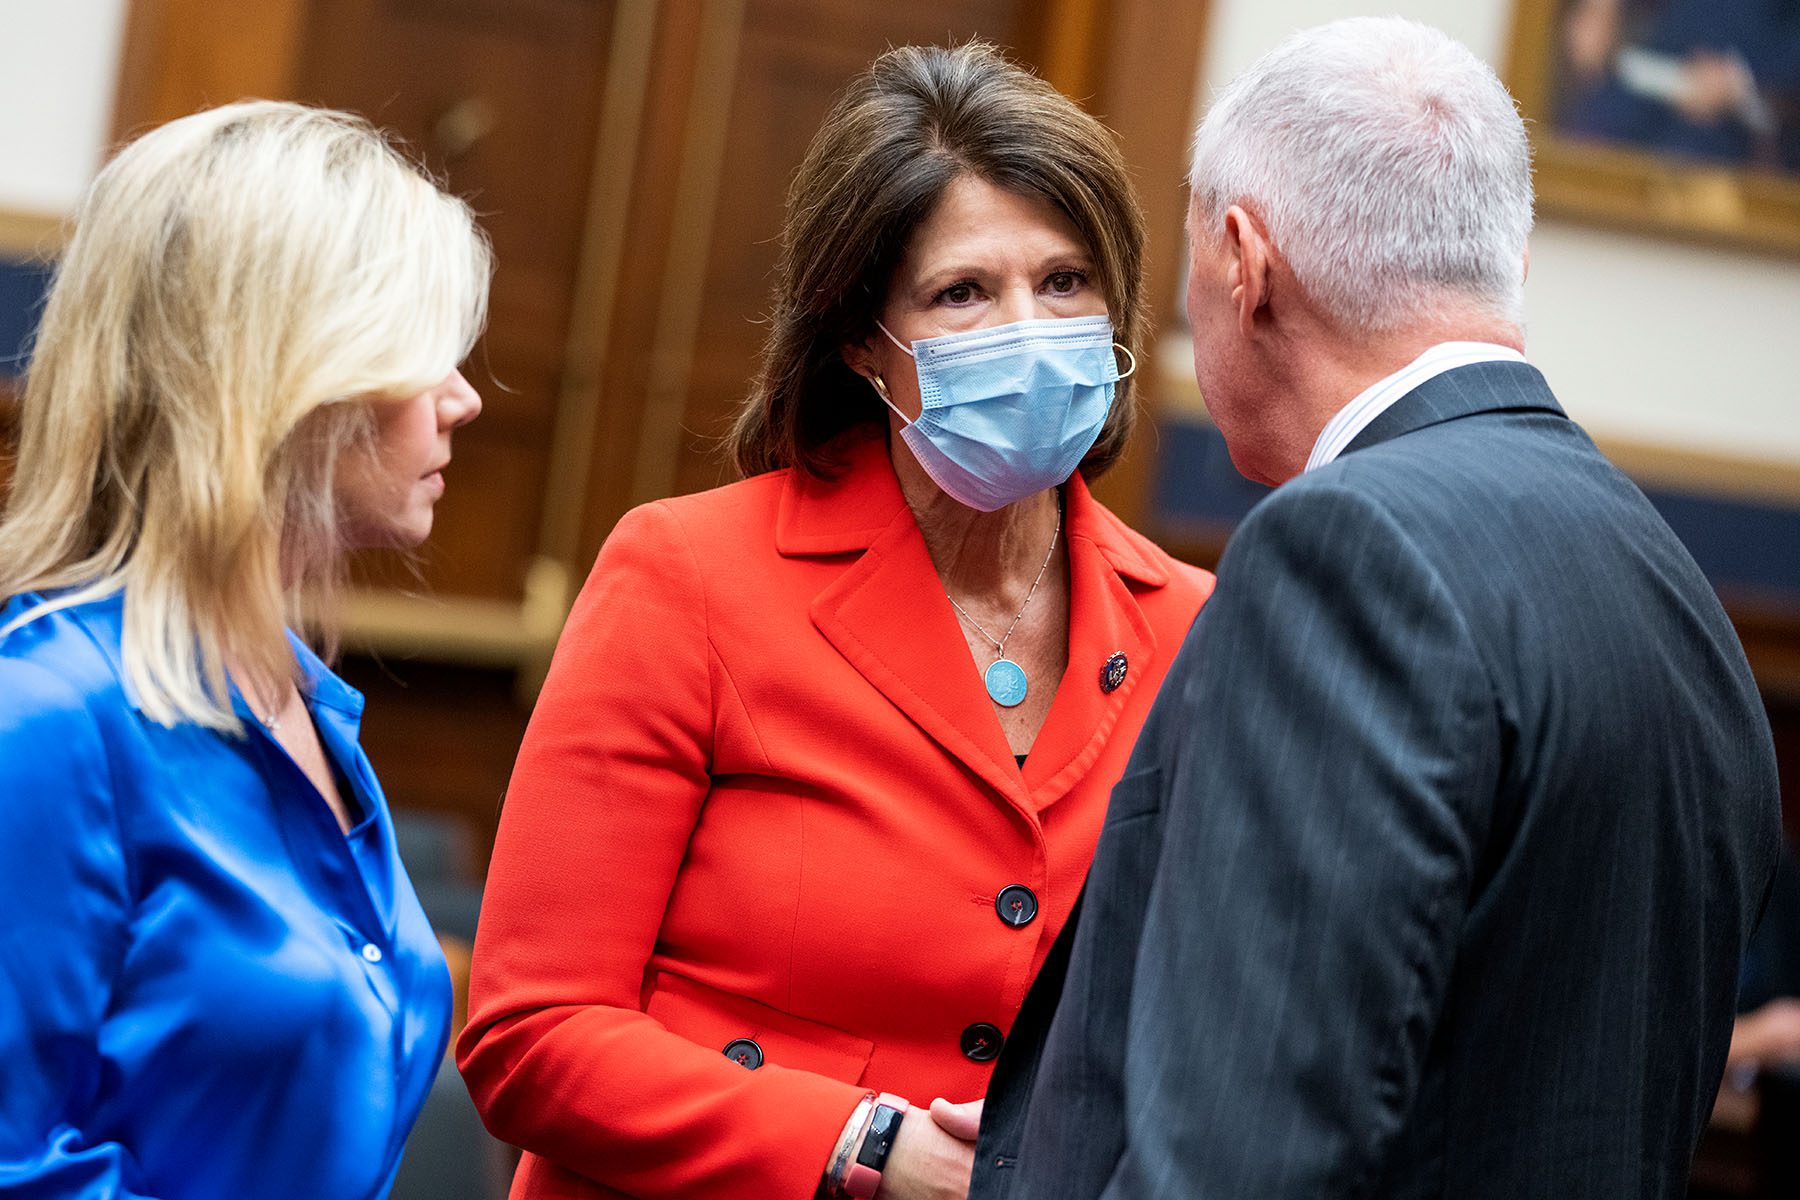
<point x="1431" y="871"/>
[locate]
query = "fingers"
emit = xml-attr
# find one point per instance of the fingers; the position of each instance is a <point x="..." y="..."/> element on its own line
<point x="960" y="1121"/>
<point x="927" y="1163"/>
<point x="1770" y="1034"/>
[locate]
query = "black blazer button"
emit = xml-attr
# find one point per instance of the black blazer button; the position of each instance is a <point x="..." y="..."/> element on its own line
<point x="745" y="1053"/>
<point x="1017" y="905"/>
<point x="981" y="1042"/>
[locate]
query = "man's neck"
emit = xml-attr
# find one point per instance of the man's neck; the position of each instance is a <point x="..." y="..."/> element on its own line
<point x="1330" y="371"/>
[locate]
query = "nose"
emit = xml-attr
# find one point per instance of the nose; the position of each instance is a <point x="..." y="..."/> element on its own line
<point x="458" y="402"/>
<point x="1020" y="304"/>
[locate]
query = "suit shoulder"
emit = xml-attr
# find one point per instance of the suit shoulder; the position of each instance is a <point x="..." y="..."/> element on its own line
<point x="739" y="515"/>
<point x="1488" y="469"/>
<point x="1325" y="498"/>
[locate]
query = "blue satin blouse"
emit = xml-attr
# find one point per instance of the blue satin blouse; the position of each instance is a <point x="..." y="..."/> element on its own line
<point x="207" y="990"/>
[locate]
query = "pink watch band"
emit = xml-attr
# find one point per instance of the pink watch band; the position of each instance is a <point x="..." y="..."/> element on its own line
<point x="862" y="1182"/>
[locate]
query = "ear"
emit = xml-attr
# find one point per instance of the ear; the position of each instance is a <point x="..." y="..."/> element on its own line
<point x="1248" y="249"/>
<point x="1525" y="272"/>
<point x="860" y="357"/>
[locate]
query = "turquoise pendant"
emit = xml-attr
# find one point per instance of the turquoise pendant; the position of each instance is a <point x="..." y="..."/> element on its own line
<point x="1006" y="683"/>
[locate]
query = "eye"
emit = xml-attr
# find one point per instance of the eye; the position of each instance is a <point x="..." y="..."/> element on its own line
<point x="1065" y="283"/>
<point x="957" y="293"/>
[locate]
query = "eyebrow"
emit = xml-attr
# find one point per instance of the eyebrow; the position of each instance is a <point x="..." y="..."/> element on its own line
<point x="1075" y="257"/>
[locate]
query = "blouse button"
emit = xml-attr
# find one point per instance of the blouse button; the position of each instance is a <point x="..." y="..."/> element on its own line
<point x="745" y="1052"/>
<point x="1017" y="905"/>
<point x="371" y="952"/>
<point x="981" y="1042"/>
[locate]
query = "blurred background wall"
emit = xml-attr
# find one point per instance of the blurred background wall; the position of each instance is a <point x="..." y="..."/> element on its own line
<point x="56" y="99"/>
<point x="629" y="159"/>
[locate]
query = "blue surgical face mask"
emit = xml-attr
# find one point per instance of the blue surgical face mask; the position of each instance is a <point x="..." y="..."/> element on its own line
<point x="1010" y="410"/>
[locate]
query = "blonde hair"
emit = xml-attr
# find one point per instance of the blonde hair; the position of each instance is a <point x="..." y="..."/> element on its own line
<point x="239" y="286"/>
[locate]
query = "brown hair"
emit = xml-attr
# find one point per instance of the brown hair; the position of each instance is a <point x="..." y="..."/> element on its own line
<point x="917" y="119"/>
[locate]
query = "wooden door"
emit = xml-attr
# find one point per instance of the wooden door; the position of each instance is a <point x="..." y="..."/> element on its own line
<point x="502" y="98"/>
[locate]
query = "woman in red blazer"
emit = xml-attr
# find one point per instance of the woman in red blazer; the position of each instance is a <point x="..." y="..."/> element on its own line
<point x="818" y="770"/>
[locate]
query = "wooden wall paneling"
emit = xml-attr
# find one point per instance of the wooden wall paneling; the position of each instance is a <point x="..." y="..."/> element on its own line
<point x="795" y="56"/>
<point x="1065" y="45"/>
<point x="684" y="293"/>
<point x="502" y="99"/>
<point x="601" y="283"/>
<point x="30" y="237"/>
<point x="1131" y="61"/>
<point x="1150" y="65"/>
<point x="180" y="56"/>
<point x="625" y="325"/>
<point x="670" y="237"/>
<point x="442" y="738"/>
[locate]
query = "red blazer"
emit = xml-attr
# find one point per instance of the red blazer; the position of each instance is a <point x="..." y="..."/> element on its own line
<point x="764" y="798"/>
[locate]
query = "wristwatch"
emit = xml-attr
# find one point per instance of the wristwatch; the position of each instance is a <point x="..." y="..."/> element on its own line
<point x="864" y="1176"/>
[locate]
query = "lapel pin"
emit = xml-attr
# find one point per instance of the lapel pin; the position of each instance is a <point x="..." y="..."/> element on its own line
<point x="1112" y="674"/>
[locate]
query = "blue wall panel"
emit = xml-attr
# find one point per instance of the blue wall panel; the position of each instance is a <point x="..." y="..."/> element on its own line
<point x="21" y="296"/>
<point x="1743" y="546"/>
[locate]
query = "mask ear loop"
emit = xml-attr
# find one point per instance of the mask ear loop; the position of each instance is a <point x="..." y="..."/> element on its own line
<point x="880" y="386"/>
<point x="879" y="383"/>
<point x="904" y="348"/>
<point x="1126" y="351"/>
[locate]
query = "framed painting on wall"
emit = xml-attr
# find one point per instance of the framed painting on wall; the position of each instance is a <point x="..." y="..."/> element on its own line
<point x="1671" y="116"/>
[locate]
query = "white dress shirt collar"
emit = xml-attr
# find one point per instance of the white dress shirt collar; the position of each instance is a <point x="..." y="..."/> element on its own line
<point x="1355" y="416"/>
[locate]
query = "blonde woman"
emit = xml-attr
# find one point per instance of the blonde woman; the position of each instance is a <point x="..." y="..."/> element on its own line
<point x="215" y="980"/>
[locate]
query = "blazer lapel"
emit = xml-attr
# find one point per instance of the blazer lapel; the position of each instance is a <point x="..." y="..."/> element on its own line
<point x="1462" y="392"/>
<point x="888" y="615"/>
<point x="1104" y="619"/>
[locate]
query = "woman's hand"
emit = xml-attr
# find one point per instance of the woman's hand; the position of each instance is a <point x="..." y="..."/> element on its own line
<point x="1771" y="1034"/>
<point x="927" y="1163"/>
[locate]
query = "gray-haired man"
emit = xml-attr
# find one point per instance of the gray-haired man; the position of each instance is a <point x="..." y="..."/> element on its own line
<point x="1430" y="873"/>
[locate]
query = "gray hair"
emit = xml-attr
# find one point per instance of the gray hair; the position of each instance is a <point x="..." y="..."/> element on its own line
<point x="1389" y="164"/>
